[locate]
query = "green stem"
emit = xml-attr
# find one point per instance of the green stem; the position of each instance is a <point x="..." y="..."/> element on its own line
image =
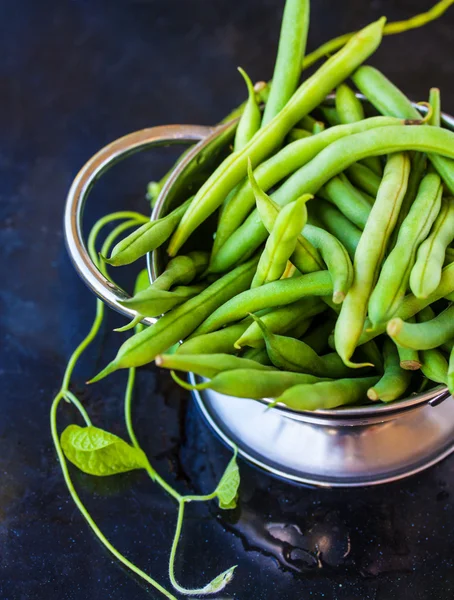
<point x="173" y="551"/>
<point x="78" y="502"/>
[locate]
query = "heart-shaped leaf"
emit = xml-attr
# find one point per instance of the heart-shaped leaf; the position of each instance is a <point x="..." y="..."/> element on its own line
<point x="227" y="490"/>
<point x="98" y="452"/>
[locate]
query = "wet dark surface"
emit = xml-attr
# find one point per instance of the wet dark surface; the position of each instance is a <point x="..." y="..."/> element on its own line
<point x="74" y="75"/>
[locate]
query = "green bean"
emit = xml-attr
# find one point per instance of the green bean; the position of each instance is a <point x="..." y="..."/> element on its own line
<point x="434" y="365"/>
<point x="290" y="54"/>
<point x="298" y="134"/>
<point x="307" y="122"/>
<point x="317" y="338"/>
<point x="336" y="258"/>
<point x="364" y="178"/>
<point x="395" y="273"/>
<point x="143" y="347"/>
<point x="244" y="383"/>
<point x="369" y="255"/>
<point x="319" y="127"/>
<point x="285" y="162"/>
<point x="434" y="101"/>
<point x="217" y="342"/>
<point x="146" y="238"/>
<point x="340" y="192"/>
<point x="282" y="319"/>
<point x="250" y="120"/>
<point x="450" y="381"/>
<point x="300" y="329"/>
<point x="327" y="394"/>
<point x="348" y="106"/>
<point x="350" y="110"/>
<point x="330" y="115"/>
<point x="337" y="224"/>
<point x="371" y="353"/>
<point x="258" y="354"/>
<point x="281" y="242"/>
<point x="155" y="302"/>
<point x="207" y="365"/>
<point x="389" y="100"/>
<point x="426" y="272"/>
<point x="423" y="336"/>
<point x="395" y="380"/>
<point x="276" y="293"/>
<point x="306" y="98"/>
<point x="412" y="305"/>
<point x="181" y="270"/>
<point x="417" y="169"/>
<point x="290" y="354"/>
<point x="328" y="163"/>
<point x="305" y="257"/>
<point x="409" y="359"/>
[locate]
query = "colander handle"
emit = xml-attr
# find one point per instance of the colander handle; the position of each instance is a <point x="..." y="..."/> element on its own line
<point x="90" y="173"/>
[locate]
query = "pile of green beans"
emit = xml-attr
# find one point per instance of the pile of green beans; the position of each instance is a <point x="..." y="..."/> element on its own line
<point x="331" y="266"/>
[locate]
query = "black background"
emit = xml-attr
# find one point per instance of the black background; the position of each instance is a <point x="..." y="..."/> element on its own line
<point x="75" y="75"/>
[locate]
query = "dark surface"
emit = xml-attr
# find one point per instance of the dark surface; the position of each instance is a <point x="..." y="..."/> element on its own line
<point x="74" y="75"/>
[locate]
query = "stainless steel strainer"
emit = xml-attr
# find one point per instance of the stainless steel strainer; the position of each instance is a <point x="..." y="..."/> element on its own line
<point x="348" y="447"/>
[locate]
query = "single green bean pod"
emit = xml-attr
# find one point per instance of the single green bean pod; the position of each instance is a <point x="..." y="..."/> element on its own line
<point x="340" y="192"/>
<point x="364" y="178"/>
<point x="435" y="104"/>
<point x="181" y="270"/>
<point x="217" y="342"/>
<point x="155" y="302"/>
<point x="395" y="273"/>
<point x="177" y="324"/>
<point x="244" y="383"/>
<point x="327" y="394"/>
<point x="146" y="238"/>
<point x="330" y="115"/>
<point x="395" y="380"/>
<point x="434" y="365"/>
<point x="423" y="336"/>
<point x="290" y="54"/>
<point x="369" y="255"/>
<point x="207" y="365"/>
<point x="290" y="354"/>
<point x="282" y="319"/>
<point x="250" y="120"/>
<point x="276" y="293"/>
<point x="335" y="257"/>
<point x="298" y="134"/>
<point x="426" y="273"/>
<point x="337" y="224"/>
<point x="319" y="127"/>
<point x="281" y="242"/>
<point x="409" y="359"/>
<point x="258" y="354"/>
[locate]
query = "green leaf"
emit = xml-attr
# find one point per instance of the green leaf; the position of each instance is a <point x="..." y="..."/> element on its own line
<point x="227" y="490"/>
<point x="218" y="582"/>
<point x="98" y="452"/>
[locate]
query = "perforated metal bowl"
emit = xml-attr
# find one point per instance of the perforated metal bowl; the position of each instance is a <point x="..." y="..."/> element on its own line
<point x="352" y="446"/>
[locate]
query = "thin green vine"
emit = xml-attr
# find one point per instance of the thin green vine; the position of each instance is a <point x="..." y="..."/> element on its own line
<point x="130" y="219"/>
